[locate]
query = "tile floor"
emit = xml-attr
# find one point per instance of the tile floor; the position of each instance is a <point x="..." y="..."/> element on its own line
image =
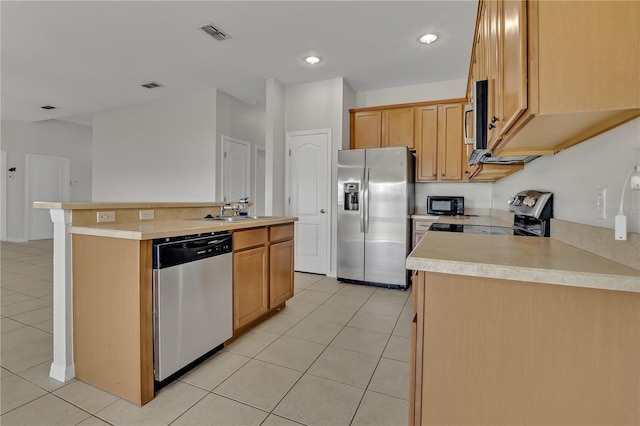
<point x="338" y="354"/>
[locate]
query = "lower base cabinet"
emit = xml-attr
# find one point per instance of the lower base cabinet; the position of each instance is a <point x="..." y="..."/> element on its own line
<point x="487" y="351"/>
<point x="262" y="272"/>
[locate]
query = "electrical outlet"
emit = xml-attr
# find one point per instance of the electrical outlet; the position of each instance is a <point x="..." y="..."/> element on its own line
<point x="635" y="182"/>
<point x="601" y="203"/>
<point x="146" y="214"/>
<point x="106" y="217"/>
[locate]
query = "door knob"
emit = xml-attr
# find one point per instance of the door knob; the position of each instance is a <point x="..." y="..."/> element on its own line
<point x="323" y="211"/>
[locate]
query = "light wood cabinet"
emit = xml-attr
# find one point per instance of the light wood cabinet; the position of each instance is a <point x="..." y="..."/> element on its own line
<point x="491" y="351"/>
<point x="439" y="142"/>
<point x="559" y="72"/>
<point x="366" y="129"/>
<point x="262" y="272"/>
<point x="397" y="127"/>
<point x="250" y="285"/>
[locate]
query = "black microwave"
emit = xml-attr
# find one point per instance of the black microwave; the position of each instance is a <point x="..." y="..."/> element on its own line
<point x="445" y="205"/>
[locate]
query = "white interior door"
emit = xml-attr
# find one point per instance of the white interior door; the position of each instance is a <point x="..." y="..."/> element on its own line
<point x="308" y="197"/>
<point x="236" y="172"/>
<point x="47" y="180"/>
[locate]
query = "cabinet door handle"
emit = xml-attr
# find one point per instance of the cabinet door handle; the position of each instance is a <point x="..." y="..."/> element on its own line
<point x="491" y="127"/>
<point x="494" y="119"/>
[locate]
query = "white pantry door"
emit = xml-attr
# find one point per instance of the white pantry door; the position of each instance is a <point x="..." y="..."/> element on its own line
<point x="308" y="197"/>
<point x="47" y="180"/>
<point x="236" y="173"/>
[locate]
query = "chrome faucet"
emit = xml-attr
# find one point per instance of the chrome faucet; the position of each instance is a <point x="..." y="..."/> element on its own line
<point x="227" y="206"/>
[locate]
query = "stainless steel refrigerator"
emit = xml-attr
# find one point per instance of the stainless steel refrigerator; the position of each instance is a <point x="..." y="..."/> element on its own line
<point x="375" y="204"/>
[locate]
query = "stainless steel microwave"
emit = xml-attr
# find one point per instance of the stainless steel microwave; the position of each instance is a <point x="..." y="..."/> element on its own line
<point x="445" y="205"/>
<point x="475" y="131"/>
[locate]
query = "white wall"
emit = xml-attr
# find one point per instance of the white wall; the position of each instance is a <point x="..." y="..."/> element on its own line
<point x="275" y="147"/>
<point x="451" y="89"/>
<point x="158" y="151"/>
<point x="51" y="137"/>
<point x="573" y="175"/>
<point x="237" y="120"/>
<point x="321" y="105"/>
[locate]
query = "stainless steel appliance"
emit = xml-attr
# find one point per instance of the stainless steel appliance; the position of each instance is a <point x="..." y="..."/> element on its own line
<point x="445" y="205"/>
<point x="192" y="300"/>
<point x="532" y="210"/>
<point x="375" y="204"/>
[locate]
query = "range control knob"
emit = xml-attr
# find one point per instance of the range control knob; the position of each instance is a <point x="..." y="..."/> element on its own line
<point x="529" y="202"/>
<point x="511" y="200"/>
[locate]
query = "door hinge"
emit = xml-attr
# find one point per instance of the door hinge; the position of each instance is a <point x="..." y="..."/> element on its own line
<point x="289" y="200"/>
<point x="225" y="154"/>
<point x="289" y="153"/>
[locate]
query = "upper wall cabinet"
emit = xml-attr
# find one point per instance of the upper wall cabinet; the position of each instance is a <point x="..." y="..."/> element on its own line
<point x="382" y="128"/>
<point x="559" y="72"/>
<point x="433" y="129"/>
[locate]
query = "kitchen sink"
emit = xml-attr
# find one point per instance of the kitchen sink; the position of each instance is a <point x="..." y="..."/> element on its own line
<point x="236" y="218"/>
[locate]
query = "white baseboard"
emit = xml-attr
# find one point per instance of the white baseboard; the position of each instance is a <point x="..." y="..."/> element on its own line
<point x="16" y="240"/>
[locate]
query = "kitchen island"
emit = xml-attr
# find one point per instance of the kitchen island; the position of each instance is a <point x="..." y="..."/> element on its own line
<point x="111" y="268"/>
<point x="521" y="330"/>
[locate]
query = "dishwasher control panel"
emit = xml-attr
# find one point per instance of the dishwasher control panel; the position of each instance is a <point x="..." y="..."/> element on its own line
<point x="172" y="251"/>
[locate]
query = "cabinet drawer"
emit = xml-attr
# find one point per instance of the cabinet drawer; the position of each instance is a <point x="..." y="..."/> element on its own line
<point x="282" y="232"/>
<point x="249" y="238"/>
<point x="420" y="226"/>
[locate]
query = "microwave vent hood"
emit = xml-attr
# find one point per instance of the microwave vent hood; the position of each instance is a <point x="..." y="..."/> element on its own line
<point x="484" y="157"/>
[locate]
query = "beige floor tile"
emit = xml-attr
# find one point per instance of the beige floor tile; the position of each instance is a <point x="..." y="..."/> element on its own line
<point x="383" y="308"/>
<point x="326" y="285"/>
<point x="314" y="331"/>
<point x="318" y="401"/>
<point x="356" y="290"/>
<point x="48" y="298"/>
<point x="29" y="355"/>
<point x="215" y="370"/>
<point x="45" y="290"/>
<point x="391" y="378"/>
<point x="306" y="279"/>
<point x="279" y="323"/>
<point x="46" y="326"/>
<point x="259" y="384"/>
<point x="169" y="404"/>
<point x="47" y="410"/>
<point x="252" y="343"/>
<point x="6" y="292"/>
<point x="274" y="420"/>
<point x="26" y="306"/>
<point x="403" y="327"/>
<point x="344" y="301"/>
<point x="85" y="396"/>
<point x="377" y="409"/>
<point x="373" y="322"/>
<point x="359" y="340"/>
<point x="348" y="367"/>
<point x="298" y="308"/>
<point x="17" y="391"/>
<point x="332" y="314"/>
<point x="390" y="295"/>
<point x="93" y="421"/>
<point x="35" y="316"/>
<point x="218" y="410"/>
<point x="398" y="348"/>
<point x="291" y="353"/>
<point x="309" y="296"/>
<point x="21" y="337"/>
<point x="14" y="298"/>
<point x="5" y="373"/>
<point x="9" y="325"/>
<point x="39" y="375"/>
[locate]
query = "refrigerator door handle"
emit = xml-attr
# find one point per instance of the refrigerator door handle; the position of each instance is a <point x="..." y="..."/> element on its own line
<point x="365" y="199"/>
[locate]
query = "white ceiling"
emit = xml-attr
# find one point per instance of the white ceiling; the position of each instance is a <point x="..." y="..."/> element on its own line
<point x="88" y="56"/>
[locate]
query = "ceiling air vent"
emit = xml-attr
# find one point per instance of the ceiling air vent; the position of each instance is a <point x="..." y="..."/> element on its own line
<point x="214" y="32"/>
<point x="151" y="85"/>
<point x="48" y="107"/>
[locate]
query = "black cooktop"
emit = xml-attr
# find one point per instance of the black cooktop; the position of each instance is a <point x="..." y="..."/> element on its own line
<point x="471" y="229"/>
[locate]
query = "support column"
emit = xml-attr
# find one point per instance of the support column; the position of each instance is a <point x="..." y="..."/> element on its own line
<point x="62" y="368"/>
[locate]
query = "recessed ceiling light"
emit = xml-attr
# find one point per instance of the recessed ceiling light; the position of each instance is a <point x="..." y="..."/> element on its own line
<point x="312" y="60"/>
<point x="428" y="38"/>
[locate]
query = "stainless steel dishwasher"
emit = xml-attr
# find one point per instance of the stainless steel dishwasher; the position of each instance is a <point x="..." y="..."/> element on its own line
<point x="192" y="300"/>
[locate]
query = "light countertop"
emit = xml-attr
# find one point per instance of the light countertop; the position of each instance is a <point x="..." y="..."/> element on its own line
<point x="172" y="228"/>
<point x="520" y="258"/>
<point x="117" y="205"/>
